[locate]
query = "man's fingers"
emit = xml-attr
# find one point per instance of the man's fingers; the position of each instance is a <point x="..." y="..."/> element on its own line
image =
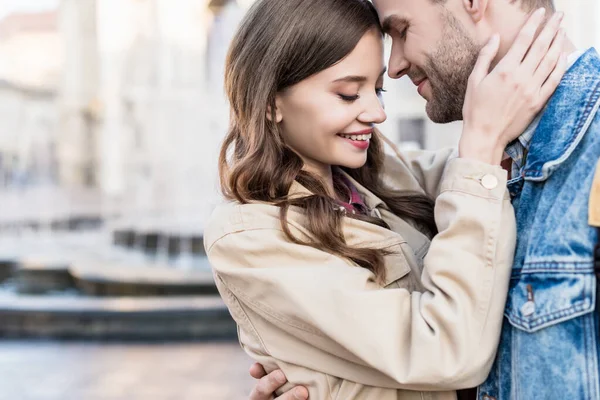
<point x="257" y="371"/>
<point x="484" y="61"/>
<point x="267" y="385"/>
<point x="524" y="39"/>
<point x="540" y="47"/>
<point x="298" y="393"/>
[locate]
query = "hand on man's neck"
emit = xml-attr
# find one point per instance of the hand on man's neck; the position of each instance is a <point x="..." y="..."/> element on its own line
<point x="507" y="19"/>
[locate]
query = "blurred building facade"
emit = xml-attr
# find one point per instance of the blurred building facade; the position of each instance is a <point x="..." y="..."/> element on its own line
<point x="126" y="96"/>
<point x="30" y="68"/>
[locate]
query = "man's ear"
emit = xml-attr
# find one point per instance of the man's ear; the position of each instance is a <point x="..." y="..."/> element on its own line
<point x="476" y="8"/>
<point x="278" y="114"/>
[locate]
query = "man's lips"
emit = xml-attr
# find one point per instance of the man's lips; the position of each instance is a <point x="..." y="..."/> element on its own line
<point x="419" y="84"/>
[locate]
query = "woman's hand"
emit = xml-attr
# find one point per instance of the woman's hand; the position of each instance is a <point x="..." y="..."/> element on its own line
<point x="499" y="105"/>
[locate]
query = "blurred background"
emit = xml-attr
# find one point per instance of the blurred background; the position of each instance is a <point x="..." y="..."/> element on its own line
<point x="111" y="117"/>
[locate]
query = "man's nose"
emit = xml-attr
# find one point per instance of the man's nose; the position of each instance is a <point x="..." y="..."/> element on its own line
<point x="398" y="64"/>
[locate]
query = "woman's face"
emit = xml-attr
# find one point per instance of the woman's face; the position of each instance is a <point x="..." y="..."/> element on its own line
<point x="328" y="118"/>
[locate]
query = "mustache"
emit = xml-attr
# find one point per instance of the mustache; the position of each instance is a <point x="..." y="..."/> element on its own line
<point x="417" y="78"/>
<point x="416" y="75"/>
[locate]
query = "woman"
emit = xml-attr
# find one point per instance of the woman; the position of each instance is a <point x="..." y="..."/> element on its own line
<point x="351" y="288"/>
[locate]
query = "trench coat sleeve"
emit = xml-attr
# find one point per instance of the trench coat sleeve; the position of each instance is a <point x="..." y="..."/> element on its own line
<point x="420" y="170"/>
<point x="316" y="310"/>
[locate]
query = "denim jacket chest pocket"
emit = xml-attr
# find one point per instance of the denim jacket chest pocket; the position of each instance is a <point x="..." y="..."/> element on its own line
<point x="554" y="282"/>
<point x="553" y="279"/>
<point x="540" y="300"/>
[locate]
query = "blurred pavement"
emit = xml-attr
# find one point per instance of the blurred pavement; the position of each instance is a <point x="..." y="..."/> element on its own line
<point x="39" y="370"/>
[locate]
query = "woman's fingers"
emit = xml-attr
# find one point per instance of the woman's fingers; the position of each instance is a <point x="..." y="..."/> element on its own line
<point x="554" y="79"/>
<point x="523" y="42"/>
<point x="484" y="61"/>
<point x="542" y="43"/>
<point x="550" y="60"/>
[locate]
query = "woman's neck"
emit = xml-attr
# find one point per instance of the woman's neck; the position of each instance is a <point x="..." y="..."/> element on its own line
<point x="325" y="173"/>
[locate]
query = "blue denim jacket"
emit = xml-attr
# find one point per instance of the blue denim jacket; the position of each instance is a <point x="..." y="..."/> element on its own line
<point x="549" y="348"/>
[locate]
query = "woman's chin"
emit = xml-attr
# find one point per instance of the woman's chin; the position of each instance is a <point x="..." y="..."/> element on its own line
<point x="353" y="163"/>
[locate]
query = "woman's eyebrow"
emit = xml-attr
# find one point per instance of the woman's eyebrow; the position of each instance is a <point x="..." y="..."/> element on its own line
<point x="352" y="78"/>
<point x="357" y="78"/>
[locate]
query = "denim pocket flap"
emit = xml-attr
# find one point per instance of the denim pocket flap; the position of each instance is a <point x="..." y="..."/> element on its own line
<point x="537" y="301"/>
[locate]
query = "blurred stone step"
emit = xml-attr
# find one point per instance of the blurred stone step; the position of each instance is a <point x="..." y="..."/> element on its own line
<point x="7" y="268"/>
<point x="45" y="274"/>
<point x="42" y="275"/>
<point x="125" y="318"/>
<point x="127" y="280"/>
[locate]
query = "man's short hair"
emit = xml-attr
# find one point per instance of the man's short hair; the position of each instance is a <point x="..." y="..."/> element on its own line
<point x="527" y="5"/>
<point x="530" y="5"/>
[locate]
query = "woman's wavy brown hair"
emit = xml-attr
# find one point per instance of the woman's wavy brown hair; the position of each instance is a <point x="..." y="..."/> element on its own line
<point x="280" y="43"/>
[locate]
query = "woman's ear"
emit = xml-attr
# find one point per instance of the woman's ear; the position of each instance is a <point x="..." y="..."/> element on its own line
<point x="278" y="114"/>
<point x="476" y="8"/>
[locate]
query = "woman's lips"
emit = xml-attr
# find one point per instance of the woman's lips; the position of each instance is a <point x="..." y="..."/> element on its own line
<point x="361" y="144"/>
<point x="363" y="132"/>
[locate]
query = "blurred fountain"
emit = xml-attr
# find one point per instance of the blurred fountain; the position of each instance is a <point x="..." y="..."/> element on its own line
<point x="109" y="183"/>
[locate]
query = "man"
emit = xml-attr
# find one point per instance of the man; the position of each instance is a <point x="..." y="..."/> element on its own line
<point x="549" y="347"/>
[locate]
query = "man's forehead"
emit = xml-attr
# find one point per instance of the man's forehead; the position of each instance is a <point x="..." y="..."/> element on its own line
<point x="396" y="13"/>
<point x="400" y="8"/>
<point x="393" y="9"/>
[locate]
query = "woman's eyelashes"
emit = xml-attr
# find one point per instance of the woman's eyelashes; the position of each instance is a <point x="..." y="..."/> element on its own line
<point x="351" y="98"/>
<point x="348" y="98"/>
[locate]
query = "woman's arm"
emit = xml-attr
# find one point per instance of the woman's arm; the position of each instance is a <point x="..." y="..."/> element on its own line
<point x="420" y="170"/>
<point x="314" y="310"/>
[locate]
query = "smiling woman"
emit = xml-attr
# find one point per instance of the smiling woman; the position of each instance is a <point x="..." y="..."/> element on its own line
<point x="341" y="101"/>
<point x="311" y="108"/>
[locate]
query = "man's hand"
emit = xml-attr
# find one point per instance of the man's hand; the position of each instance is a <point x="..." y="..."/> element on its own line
<point x="268" y="384"/>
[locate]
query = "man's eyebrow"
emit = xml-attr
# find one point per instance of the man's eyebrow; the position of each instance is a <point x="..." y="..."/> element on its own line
<point x="356" y="78"/>
<point x="393" y="20"/>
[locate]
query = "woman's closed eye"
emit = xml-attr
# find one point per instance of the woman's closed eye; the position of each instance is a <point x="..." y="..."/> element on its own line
<point x="351" y="98"/>
<point x="348" y="98"/>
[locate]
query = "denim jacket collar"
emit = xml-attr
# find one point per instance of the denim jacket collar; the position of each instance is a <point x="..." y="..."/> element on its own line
<point x="566" y="118"/>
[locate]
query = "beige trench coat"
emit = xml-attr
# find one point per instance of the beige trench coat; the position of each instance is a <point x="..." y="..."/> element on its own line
<point x="328" y="325"/>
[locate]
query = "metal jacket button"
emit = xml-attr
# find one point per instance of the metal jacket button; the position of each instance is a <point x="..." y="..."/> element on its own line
<point x="489" y="182"/>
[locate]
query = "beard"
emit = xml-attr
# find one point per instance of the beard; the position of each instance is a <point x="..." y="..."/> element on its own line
<point x="448" y="69"/>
